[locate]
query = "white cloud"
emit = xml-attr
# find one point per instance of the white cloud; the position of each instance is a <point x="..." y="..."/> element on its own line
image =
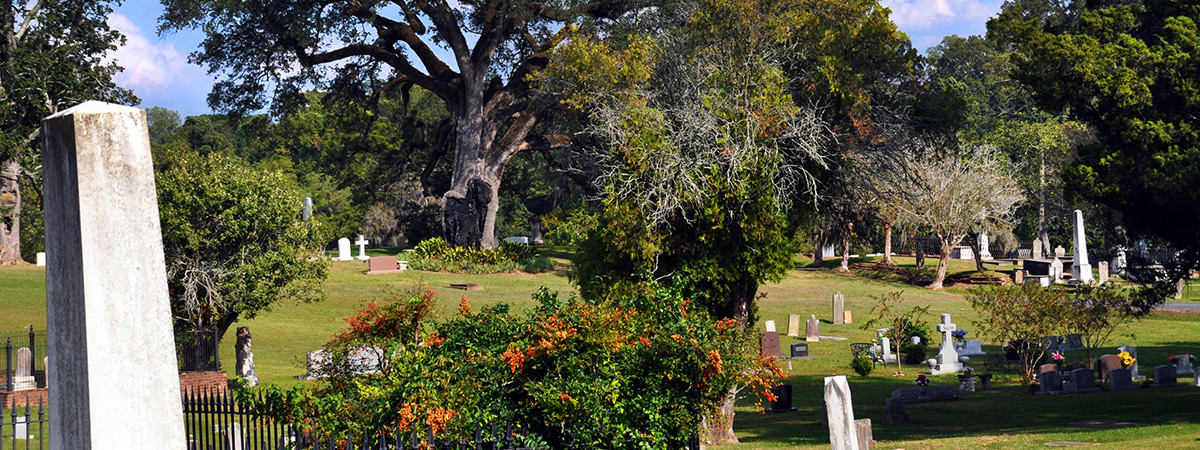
<point x="149" y="65"/>
<point x="923" y="14"/>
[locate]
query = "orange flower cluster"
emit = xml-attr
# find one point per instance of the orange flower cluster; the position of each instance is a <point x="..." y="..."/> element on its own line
<point x="677" y="338"/>
<point x="464" y="308"/>
<point x="563" y="397"/>
<point x="438" y="419"/>
<point x="404" y="417"/>
<point x="434" y="340"/>
<point x="645" y="341"/>
<point x="725" y="324"/>
<point x="515" y="359"/>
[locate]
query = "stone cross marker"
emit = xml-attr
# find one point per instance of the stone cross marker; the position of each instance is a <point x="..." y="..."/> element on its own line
<point x="947" y="356"/>
<point x="1080" y="269"/>
<point x="812" y="329"/>
<point x="839" y="408"/>
<point x="793" y="325"/>
<point x="362" y="248"/>
<point x="344" y="250"/>
<point x="116" y="383"/>
<point x="839" y="308"/>
<point x="245" y="357"/>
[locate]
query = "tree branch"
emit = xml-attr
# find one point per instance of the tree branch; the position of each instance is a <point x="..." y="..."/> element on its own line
<point x="28" y="18"/>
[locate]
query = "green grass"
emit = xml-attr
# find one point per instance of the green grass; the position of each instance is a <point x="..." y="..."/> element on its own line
<point x="1007" y="417"/>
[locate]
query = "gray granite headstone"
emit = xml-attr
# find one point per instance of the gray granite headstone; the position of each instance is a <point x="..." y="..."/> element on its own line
<point x="1164" y="375"/>
<point x="1050" y="382"/>
<point x="1133" y="368"/>
<point x="895" y="413"/>
<point x="1184" y="367"/>
<point x="1120" y="378"/>
<point x="1084" y="379"/>
<point x="1073" y="341"/>
<point x="111" y="344"/>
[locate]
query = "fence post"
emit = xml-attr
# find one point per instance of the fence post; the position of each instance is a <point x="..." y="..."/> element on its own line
<point x="8" y="372"/>
<point x="32" y="353"/>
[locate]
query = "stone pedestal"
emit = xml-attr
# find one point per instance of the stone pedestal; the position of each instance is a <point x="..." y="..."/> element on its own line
<point x="1081" y="271"/>
<point x="115" y="382"/>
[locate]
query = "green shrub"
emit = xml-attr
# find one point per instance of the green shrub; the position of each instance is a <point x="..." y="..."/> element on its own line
<point x="914" y="353"/>
<point x="538" y="265"/>
<point x="862" y="365"/>
<point x="434" y="247"/>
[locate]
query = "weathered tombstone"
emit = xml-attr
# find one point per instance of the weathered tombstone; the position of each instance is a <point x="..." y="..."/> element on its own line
<point x="847" y="317"/>
<point x="1120" y="378"/>
<point x="770" y="325"/>
<point x="966" y="382"/>
<point x="1060" y="252"/>
<point x="362" y="248"/>
<point x="1081" y="271"/>
<point x="234" y="439"/>
<point x="1085" y="380"/>
<point x="1106" y="364"/>
<point x="769" y="345"/>
<point x="1037" y="249"/>
<point x="1103" y="276"/>
<point x="1184" y="366"/>
<point x="245" y="357"/>
<point x="915" y="340"/>
<point x="1049" y="382"/>
<point x="1056" y="270"/>
<point x="947" y="359"/>
<point x="1048" y="368"/>
<point x="793" y="325"/>
<point x="535" y="231"/>
<point x="1133" y="368"/>
<point x="1164" y="376"/>
<point x="46" y="369"/>
<point x="344" y="250"/>
<point x="985" y="381"/>
<point x="314" y="365"/>
<point x="106" y="288"/>
<point x="306" y="210"/>
<point x="383" y="264"/>
<point x="20" y="427"/>
<point x="41" y="259"/>
<point x="862" y="430"/>
<point x="23" y="377"/>
<point x="1018" y="276"/>
<point x="894" y="412"/>
<point x="839" y="308"/>
<point x="984" y="254"/>
<point x="840" y="412"/>
<point x="812" y="329"/>
<point x="886" y="343"/>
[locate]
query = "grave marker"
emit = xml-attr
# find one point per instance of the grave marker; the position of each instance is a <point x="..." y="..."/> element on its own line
<point x="1184" y="367"/>
<point x="1120" y="379"/>
<point x="1060" y="252"/>
<point x="769" y="345"/>
<point x="770" y="325"/>
<point x="839" y="410"/>
<point x="793" y="325"/>
<point x="1103" y="277"/>
<point x="23" y="377"/>
<point x="1037" y="249"/>
<point x="984" y="254"/>
<point x="383" y="264"/>
<point x="1081" y="271"/>
<point x="1085" y="380"/>
<point x="344" y="250"/>
<point x="812" y="329"/>
<point x="947" y="358"/>
<point x="1106" y="364"/>
<point x="306" y="210"/>
<point x="839" y="308"/>
<point x="1133" y="368"/>
<point x="1050" y="382"/>
<point x="1164" y="376"/>
<point x="244" y="366"/>
<point x="362" y="248"/>
<point x="1056" y="270"/>
<point x="106" y="286"/>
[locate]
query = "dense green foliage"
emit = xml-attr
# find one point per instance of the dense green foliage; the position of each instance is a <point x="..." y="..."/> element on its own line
<point x="610" y="376"/>
<point x="1130" y="71"/>
<point x="233" y="240"/>
<point x="436" y="255"/>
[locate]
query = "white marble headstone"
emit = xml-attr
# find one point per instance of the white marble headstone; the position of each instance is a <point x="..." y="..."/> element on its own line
<point x="344" y="250"/>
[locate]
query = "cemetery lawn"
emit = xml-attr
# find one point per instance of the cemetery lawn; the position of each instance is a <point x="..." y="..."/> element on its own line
<point x="1006" y="417"/>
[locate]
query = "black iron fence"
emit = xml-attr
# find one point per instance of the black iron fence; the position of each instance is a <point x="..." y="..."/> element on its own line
<point x="26" y="427"/>
<point x="199" y="349"/>
<point x="16" y="377"/>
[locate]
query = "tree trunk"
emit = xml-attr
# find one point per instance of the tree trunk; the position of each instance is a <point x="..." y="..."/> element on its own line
<point x="845" y="266"/>
<point x="943" y="262"/>
<point x="920" y="241"/>
<point x="721" y="432"/>
<point x="10" y="214"/>
<point x="818" y="259"/>
<point x="978" y="257"/>
<point x="1043" y="232"/>
<point x="887" y="244"/>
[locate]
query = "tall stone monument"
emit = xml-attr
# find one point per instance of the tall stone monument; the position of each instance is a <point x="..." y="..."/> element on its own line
<point x="115" y="382"/>
<point x="245" y="356"/>
<point x="839" y="409"/>
<point x="947" y="356"/>
<point x="839" y="308"/>
<point x="1081" y="271"/>
<point x="984" y="253"/>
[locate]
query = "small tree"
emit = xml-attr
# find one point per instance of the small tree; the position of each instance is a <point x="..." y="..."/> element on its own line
<point x="890" y="312"/>
<point x="1096" y="312"/>
<point x="1021" y="313"/>
<point x="233" y="240"/>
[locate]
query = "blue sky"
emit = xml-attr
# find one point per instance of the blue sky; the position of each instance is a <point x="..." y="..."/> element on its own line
<point x="157" y="70"/>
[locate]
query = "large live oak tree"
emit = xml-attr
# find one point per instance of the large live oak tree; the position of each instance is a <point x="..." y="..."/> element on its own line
<point x="286" y="46"/>
<point x="51" y="57"/>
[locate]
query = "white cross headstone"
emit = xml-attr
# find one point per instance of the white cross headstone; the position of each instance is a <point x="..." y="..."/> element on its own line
<point x="362" y="248"/>
<point x="1080" y="269"/>
<point x="947" y="359"/>
<point x="839" y="408"/>
<point x="344" y="250"/>
<point x="106" y="289"/>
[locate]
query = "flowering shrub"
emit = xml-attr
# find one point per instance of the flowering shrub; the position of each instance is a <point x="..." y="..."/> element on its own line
<point x="1058" y="357"/>
<point x="607" y="374"/>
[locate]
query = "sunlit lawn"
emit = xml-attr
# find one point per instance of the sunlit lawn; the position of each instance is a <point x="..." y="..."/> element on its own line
<point x="1007" y="417"/>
